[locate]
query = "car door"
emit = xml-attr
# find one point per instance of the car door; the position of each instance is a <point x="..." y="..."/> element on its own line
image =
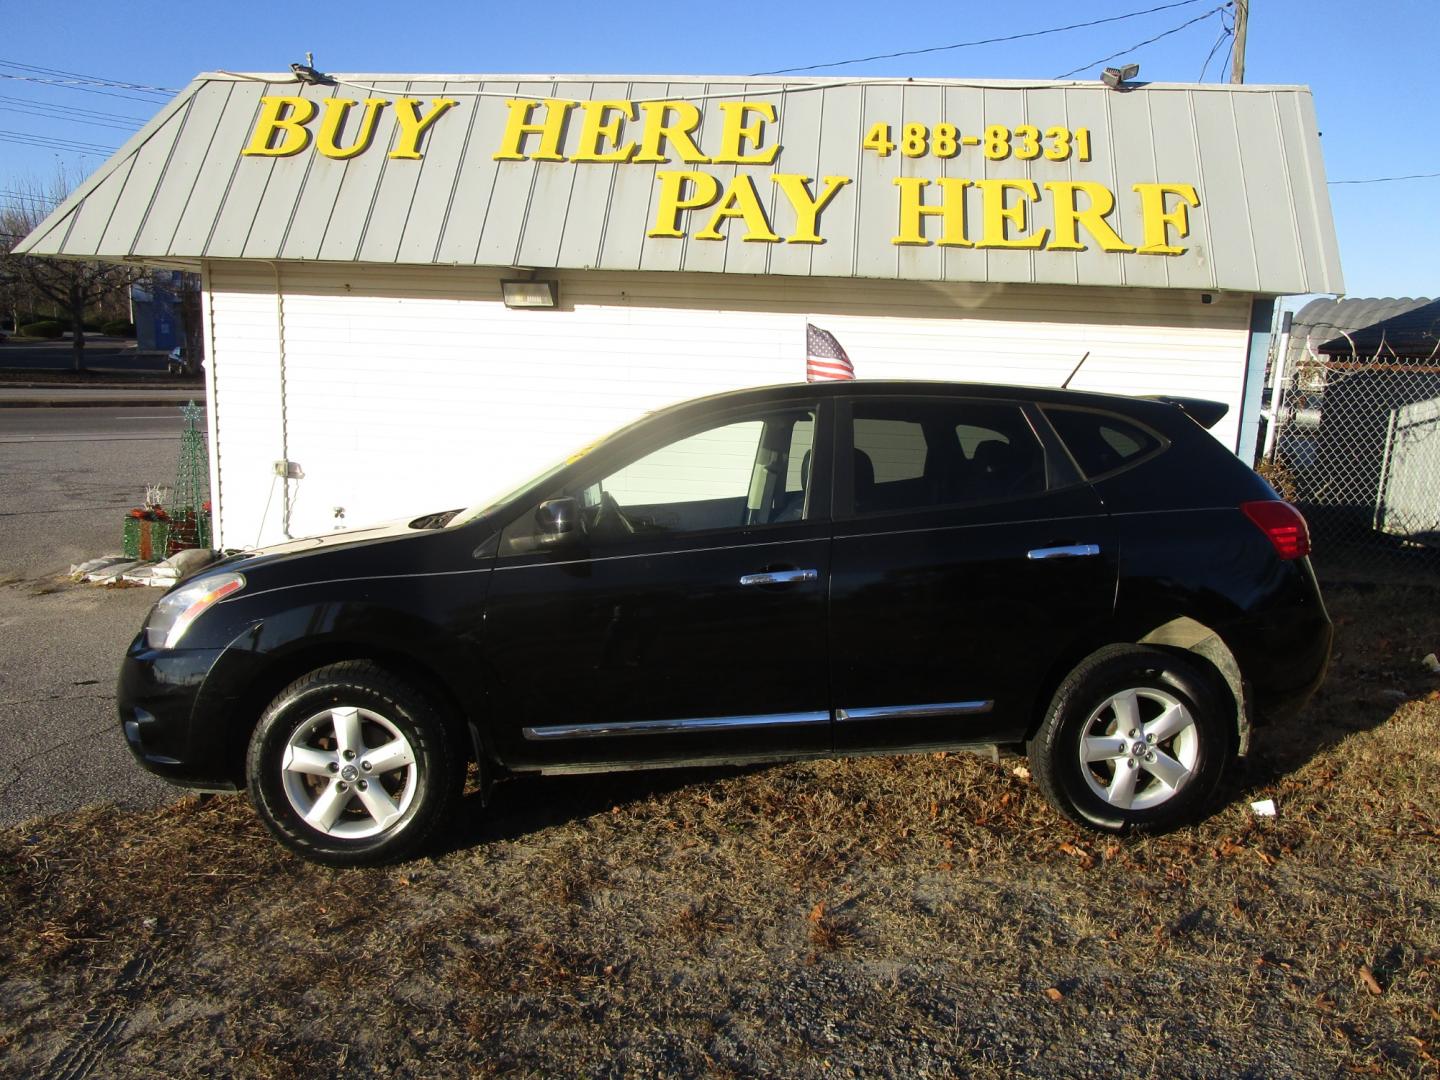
<point x="967" y="555"/>
<point x="688" y="622"/>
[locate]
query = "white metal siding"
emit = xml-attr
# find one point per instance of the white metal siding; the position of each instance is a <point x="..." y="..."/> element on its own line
<point x="414" y="389"/>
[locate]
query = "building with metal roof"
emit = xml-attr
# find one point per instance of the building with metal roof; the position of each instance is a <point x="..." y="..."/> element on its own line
<point x="359" y="236"/>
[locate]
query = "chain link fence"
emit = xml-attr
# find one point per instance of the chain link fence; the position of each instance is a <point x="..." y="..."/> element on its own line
<point x="1356" y="446"/>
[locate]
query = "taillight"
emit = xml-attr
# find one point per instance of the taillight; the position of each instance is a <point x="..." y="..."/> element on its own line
<point x="1282" y="524"/>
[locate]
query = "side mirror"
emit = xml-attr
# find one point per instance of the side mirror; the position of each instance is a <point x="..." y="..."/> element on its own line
<point x="557" y="521"/>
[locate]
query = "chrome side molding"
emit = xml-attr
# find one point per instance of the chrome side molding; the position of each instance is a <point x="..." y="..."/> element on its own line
<point x="1066" y="551"/>
<point x="547" y="732"/>
<point x="672" y="727"/>
<point x="913" y="712"/>
<point x="780" y="577"/>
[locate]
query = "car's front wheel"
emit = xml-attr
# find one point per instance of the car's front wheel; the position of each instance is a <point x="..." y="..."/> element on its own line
<point x="1135" y="738"/>
<point x="350" y="766"/>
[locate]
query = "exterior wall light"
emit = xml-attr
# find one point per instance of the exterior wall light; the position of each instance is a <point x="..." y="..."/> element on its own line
<point x="530" y="294"/>
<point x="1114" y="77"/>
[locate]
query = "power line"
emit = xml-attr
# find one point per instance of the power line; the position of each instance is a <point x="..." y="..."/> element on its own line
<point x="1224" y="33"/>
<point x="1142" y="44"/>
<point x="981" y="41"/>
<point x="1387" y="179"/>
<point x="97" y="113"/>
<point x="1229" y="54"/>
<point x="29" y="196"/>
<point x="46" y="143"/>
<point x="53" y="138"/>
<point x="92" y="80"/>
<point x="72" y="119"/>
<point x="71" y="85"/>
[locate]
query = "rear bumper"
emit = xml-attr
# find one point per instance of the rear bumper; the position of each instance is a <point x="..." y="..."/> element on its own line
<point x="1284" y="651"/>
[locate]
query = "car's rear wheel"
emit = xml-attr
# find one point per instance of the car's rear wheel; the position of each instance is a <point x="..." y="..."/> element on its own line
<point x="1135" y="738"/>
<point x="350" y="766"/>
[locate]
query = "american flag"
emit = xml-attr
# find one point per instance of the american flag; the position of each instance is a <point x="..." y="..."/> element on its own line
<point x="825" y="360"/>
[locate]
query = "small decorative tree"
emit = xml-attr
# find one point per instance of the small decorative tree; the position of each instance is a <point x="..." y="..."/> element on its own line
<point x="190" y="505"/>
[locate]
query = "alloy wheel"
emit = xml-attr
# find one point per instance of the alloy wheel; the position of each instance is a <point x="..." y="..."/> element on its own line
<point x="349" y="773"/>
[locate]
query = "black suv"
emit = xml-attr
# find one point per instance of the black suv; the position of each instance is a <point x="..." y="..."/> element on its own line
<point x="791" y="572"/>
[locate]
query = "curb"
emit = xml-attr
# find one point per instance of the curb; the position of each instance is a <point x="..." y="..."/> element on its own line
<point x="88" y="403"/>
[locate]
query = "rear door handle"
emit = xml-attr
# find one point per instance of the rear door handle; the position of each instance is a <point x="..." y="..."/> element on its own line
<point x="1065" y="551"/>
<point x="780" y="577"/>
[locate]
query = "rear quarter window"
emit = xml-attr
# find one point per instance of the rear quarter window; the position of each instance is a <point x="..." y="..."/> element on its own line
<point x="1102" y="443"/>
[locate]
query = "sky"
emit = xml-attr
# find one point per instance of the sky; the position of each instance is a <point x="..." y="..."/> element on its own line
<point x="1371" y="67"/>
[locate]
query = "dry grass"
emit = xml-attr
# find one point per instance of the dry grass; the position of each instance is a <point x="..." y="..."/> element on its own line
<point x="891" y="916"/>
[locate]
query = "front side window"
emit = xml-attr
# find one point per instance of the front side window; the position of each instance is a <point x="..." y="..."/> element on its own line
<point x="748" y="472"/>
<point x="920" y="455"/>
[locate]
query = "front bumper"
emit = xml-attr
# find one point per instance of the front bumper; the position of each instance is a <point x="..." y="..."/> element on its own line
<point x="162" y="702"/>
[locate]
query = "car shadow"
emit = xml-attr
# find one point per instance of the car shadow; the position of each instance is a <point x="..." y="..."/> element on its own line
<point x="1381" y="631"/>
<point x="519" y="805"/>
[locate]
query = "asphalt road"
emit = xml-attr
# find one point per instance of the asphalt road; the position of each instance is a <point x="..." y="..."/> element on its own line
<point x="58" y="425"/>
<point x="67" y="477"/>
<point x="100" y="352"/>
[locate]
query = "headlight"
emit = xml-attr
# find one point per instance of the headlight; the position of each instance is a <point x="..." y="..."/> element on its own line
<point x="177" y="610"/>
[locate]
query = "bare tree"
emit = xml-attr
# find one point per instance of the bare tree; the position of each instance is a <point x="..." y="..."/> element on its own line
<point x="75" y="285"/>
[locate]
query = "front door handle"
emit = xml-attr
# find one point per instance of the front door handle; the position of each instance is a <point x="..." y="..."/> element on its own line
<point x="780" y="577"/>
<point x="1065" y="551"/>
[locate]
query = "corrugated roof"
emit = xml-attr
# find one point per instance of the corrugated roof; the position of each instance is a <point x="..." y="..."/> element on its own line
<point x="1403" y="328"/>
<point x="182" y="189"/>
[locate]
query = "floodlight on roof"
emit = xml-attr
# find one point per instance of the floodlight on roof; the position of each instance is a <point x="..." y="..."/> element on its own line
<point x="1116" y="77"/>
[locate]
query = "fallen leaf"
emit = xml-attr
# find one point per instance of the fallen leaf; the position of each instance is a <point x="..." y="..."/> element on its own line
<point x="1368" y="978"/>
<point x="1070" y="849"/>
<point x="609" y="969"/>
<point x="817" y="912"/>
<point x="947" y="866"/>
<point x="1229" y="847"/>
<point x="1053" y="993"/>
<point x="1021" y="771"/>
<point x="934" y="809"/>
<point x="1005" y="799"/>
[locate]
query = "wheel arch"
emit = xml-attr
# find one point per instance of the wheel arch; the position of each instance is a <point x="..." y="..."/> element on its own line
<point x="280" y="670"/>
<point x="1183" y="634"/>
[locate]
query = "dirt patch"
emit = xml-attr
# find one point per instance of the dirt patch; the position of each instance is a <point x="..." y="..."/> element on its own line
<point x="890" y="916"/>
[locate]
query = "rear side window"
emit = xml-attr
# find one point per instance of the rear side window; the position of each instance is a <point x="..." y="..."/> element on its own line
<point x="1101" y="443"/>
<point x="925" y="454"/>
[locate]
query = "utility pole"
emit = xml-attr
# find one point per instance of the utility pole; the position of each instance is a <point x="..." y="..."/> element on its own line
<point x="1242" y="16"/>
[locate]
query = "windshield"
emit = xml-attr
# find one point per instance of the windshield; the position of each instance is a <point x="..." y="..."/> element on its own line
<point x="472" y="513"/>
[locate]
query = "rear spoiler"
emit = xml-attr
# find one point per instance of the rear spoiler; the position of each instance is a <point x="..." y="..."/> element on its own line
<point x="1205" y="413"/>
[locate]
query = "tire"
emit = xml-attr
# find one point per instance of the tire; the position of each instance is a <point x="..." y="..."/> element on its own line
<point x="1162" y="776"/>
<point x="318" y="785"/>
